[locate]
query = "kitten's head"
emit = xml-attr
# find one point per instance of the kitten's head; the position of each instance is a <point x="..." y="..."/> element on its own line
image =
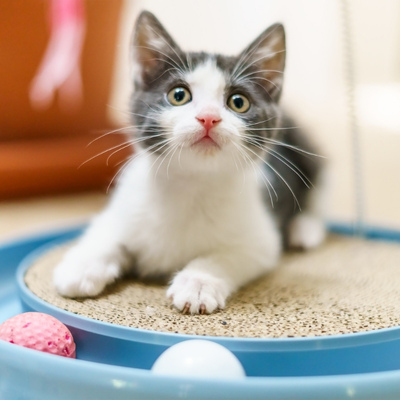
<point x="205" y="106"/>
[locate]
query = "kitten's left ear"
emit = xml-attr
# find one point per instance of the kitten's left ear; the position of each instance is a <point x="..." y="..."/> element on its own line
<point x="153" y="49"/>
<point x="267" y="53"/>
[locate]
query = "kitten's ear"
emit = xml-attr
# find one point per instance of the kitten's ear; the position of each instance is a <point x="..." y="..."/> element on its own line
<point x="267" y="53"/>
<point x="152" y="47"/>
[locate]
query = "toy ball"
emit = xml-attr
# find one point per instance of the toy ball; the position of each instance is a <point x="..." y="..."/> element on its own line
<point x="39" y="332"/>
<point x="198" y="358"/>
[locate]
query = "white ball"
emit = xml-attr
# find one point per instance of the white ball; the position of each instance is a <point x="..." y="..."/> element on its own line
<point x="199" y="358"/>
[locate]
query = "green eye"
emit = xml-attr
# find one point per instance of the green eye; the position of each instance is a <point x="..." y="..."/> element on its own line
<point x="238" y="103"/>
<point x="179" y="96"/>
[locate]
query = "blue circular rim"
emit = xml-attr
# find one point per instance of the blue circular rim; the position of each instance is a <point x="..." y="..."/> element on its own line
<point x="234" y="344"/>
<point x="127" y="383"/>
<point x="64" y="379"/>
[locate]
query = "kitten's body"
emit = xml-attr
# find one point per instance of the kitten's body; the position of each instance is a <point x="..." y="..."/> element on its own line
<point x="194" y="199"/>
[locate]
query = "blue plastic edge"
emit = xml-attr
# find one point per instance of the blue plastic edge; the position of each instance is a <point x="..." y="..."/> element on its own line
<point x="96" y="381"/>
<point x="368" y="232"/>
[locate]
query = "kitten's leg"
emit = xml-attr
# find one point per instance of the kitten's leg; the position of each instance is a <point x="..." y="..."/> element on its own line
<point x="205" y="283"/>
<point x="296" y="160"/>
<point x="98" y="259"/>
<point x="307" y="229"/>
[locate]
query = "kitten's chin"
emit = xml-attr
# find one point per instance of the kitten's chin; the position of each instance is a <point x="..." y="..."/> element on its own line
<point x="204" y="158"/>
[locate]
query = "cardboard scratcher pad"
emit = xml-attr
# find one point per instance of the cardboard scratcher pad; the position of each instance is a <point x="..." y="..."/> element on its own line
<point x="345" y="286"/>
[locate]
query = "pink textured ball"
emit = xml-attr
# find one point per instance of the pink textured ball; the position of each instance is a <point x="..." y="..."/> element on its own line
<point x="39" y="332"/>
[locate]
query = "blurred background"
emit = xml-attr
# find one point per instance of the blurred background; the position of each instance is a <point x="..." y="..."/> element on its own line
<point x="50" y="174"/>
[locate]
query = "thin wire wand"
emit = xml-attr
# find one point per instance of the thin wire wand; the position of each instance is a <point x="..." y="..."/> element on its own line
<point x="359" y="205"/>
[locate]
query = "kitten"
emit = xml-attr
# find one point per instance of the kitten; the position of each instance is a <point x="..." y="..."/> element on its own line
<point x="215" y="189"/>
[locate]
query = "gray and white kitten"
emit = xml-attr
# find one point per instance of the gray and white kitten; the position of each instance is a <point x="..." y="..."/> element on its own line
<point x="215" y="189"/>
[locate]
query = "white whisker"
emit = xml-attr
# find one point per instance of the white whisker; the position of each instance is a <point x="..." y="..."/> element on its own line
<point x="265" y="180"/>
<point x="261" y="122"/>
<point x="282" y="144"/>
<point x="144" y="116"/>
<point x="165" y="144"/>
<point x="284" y="160"/>
<point x="277" y="173"/>
<point x="165" y="153"/>
<point x="176" y="147"/>
<point x="144" y="153"/>
<point x="240" y="151"/>
<point x="126" y="146"/>
<point x="104" y="152"/>
<point x="292" y="166"/>
<point x="179" y="157"/>
<point x="125" y="128"/>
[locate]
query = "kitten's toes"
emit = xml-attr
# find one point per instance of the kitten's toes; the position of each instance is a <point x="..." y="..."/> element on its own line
<point x="202" y="309"/>
<point x="194" y="292"/>
<point x="84" y="278"/>
<point x="306" y="232"/>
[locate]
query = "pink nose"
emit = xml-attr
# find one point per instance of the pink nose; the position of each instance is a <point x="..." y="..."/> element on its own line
<point x="208" y="120"/>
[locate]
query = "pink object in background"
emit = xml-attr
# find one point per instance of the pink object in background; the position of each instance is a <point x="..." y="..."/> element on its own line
<point x="39" y="332"/>
<point x="60" y="67"/>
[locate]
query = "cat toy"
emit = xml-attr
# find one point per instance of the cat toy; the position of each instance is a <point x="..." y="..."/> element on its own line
<point x="39" y="331"/>
<point x="60" y="66"/>
<point x="201" y="358"/>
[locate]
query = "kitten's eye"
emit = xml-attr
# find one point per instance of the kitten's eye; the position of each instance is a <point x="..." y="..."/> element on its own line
<point x="238" y="103"/>
<point x="179" y="96"/>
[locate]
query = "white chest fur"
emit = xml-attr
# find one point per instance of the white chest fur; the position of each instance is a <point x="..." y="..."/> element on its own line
<point x="170" y="220"/>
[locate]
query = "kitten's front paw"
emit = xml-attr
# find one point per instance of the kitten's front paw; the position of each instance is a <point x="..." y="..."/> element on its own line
<point x="197" y="292"/>
<point x="84" y="277"/>
<point x="306" y="232"/>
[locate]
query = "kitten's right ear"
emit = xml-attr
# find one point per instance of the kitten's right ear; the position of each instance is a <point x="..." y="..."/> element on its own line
<point x="153" y="47"/>
<point x="267" y="55"/>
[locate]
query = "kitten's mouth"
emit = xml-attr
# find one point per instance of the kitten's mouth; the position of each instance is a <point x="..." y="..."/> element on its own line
<point x="206" y="141"/>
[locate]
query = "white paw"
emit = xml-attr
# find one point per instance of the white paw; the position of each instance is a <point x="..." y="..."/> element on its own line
<point x="197" y="292"/>
<point x="78" y="275"/>
<point x="306" y="232"/>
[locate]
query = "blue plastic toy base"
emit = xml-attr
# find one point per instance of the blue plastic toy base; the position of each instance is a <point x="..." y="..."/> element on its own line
<point x="113" y="361"/>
